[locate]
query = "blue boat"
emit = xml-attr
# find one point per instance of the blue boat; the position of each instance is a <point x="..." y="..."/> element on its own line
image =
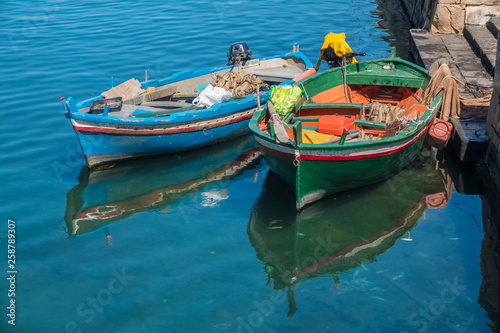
<point x="162" y="119"/>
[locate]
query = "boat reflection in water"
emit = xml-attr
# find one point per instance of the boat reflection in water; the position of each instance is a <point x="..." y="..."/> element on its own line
<point x="110" y="195"/>
<point x="339" y="233"/>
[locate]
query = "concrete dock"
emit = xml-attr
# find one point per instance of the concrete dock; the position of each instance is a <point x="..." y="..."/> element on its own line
<point x="470" y="55"/>
<point x="464" y="32"/>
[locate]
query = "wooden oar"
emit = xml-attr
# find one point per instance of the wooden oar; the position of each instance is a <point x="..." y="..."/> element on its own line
<point x="279" y="128"/>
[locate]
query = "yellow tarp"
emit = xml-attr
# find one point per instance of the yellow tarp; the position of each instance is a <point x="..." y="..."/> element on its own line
<point x="314" y="137"/>
<point x="339" y="45"/>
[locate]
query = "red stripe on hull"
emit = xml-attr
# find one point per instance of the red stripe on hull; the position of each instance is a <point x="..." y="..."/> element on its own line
<point x="359" y="157"/>
<point x="111" y="130"/>
<point x="349" y="158"/>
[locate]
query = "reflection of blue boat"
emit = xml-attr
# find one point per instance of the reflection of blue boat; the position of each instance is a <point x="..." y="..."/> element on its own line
<point x="113" y="194"/>
<point x="158" y="116"/>
<point x="335" y="234"/>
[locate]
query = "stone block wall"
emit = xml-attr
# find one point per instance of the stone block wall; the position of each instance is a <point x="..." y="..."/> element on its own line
<point x="493" y="125"/>
<point x="478" y="12"/>
<point x="449" y="16"/>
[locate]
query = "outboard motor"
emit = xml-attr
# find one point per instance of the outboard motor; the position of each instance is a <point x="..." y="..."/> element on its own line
<point x="331" y="58"/>
<point x="335" y="61"/>
<point x="238" y="52"/>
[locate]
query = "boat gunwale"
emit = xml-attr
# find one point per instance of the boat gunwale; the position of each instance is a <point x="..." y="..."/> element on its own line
<point x="357" y="154"/>
<point x="167" y="128"/>
<point x="335" y="147"/>
<point x="356" y="65"/>
<point x="215" y="111"/>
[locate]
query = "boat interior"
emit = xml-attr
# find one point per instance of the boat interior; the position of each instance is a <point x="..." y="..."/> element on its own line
<point x="328" y="117"/>
<point x="161" y="98"/>
<point x="403" y="97"/>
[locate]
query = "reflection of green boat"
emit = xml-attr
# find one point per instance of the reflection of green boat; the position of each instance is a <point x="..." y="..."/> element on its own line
<point x="110" y="195"/>
<point x="335" y="234"/>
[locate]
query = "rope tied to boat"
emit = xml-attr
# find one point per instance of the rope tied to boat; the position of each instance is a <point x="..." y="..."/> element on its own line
<point x="454" y="105"/>
<point x="308" y="99"/>
<point x="385" y="112"/>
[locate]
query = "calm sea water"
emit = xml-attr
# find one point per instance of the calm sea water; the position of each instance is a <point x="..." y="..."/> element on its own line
<point x="207" y="241"/>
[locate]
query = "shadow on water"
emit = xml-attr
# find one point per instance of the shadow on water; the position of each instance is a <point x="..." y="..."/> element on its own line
<point x="489" y="292"/>
<point x="393" y="20"/>
<point x="342" y="232"/>
<point x="110" y="195"/>
<point x="463" y="175"/>
<point x="468" y="180"/>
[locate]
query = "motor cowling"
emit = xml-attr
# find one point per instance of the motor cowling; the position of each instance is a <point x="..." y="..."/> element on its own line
<point x="331" y="57"/>
<point x="238" y="52"/>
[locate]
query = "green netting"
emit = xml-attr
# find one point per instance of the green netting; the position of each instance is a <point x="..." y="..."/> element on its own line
<point x="284" y="98"/>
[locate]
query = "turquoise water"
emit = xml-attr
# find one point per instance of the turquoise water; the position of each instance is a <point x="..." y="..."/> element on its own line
<point x="206" y="241"/>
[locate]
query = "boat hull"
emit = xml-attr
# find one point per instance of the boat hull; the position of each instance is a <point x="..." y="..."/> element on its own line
<point x="317" y="174"/>
<point x="106" y="144"/>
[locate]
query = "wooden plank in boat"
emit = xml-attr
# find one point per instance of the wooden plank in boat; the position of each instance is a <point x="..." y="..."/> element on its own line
<point x="184" y="96"/>
<point x="163" y="113"/>
<point x="157" y="94"/>
<point x="279" y="127"/>
<point x="126" y="90"/>
<point x="166" y="104"/>
<point x="370" y="123"/>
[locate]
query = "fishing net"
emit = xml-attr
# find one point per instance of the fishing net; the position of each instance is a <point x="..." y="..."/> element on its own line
<point x="385" y="112"/>
<point x="239" y="84"/>
<point x="395" y="127"/>
<point x="454" y="105"/>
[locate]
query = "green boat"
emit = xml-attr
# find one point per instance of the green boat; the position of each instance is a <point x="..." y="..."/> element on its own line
<point x="342" y="232"/>
<point x="352" y="126"/>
